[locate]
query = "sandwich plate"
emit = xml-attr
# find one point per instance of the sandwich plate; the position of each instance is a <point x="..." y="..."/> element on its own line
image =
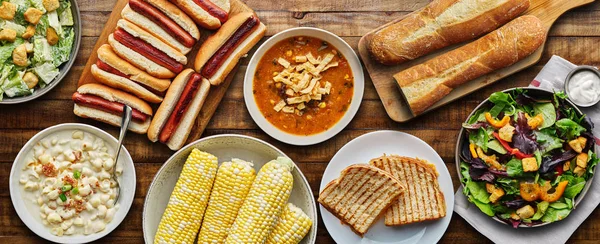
<point x="373" y="145"/>
<point x="225" y="147"/>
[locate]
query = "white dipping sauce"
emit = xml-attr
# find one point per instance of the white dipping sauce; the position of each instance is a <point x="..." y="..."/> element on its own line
<point x="67" y="181"/>
<point x="584" y="87"/>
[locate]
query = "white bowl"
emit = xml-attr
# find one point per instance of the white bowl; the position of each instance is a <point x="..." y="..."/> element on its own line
<point x="341" y="46"/>
<point x="224" y="147"/>
<point x="127" y="182"/>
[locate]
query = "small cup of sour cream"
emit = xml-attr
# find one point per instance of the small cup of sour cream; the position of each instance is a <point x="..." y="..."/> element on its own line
<point x="583" y="86"/>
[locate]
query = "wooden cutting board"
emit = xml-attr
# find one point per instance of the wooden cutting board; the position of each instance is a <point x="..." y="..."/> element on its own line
<point x="389" y="92"/>
<point x="216" y="92"/>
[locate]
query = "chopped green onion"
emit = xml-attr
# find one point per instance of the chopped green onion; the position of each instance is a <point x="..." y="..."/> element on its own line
<point x="66" y="188"/>
<point x="75" y="191"/>
<point x="76" y="174"/>
<point x="63" y="197"/>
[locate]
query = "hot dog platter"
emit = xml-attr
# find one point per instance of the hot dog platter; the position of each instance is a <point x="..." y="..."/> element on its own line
<point x="215" y="94"/>
<point x="387" y="88"/>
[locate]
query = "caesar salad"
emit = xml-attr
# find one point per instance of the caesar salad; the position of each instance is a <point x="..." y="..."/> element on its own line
<point x="36" y="37"/>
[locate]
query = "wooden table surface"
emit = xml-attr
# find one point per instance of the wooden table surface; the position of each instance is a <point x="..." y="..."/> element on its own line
<point x="575" y="36"/>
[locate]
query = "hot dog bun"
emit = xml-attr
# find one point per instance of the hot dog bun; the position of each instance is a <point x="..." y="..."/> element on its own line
<point x="214" y="42"/>
<point x="177" y="15"/>
<point x="139" y="60"/>
<point x="137" y="78"/>
<point x="145" y="23"/>
<point x="201" y="16"/>
<point x="113" y="95"/>
<point x="168" y="106"/>
<point x="150" y="39"/>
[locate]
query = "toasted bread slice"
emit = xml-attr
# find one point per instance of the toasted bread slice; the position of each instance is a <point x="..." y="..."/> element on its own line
<point x="423" y="200"/>
<point x="360" y="195"/>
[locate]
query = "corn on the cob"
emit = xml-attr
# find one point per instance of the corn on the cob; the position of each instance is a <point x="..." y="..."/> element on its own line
<point x="291" y="227"/>
<point x="231" y="187"/>
<point x="266" y="199"/>
<point x="182" y="218"/>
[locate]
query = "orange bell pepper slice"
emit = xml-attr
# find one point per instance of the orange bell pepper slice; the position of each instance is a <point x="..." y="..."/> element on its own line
<point x="495" y="123"/>
<point x="529" y="191"/>
<point x="556" y="194"/>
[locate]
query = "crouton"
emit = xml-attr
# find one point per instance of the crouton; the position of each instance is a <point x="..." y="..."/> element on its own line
<point x="567" y="166"/>
<point x="525" y="212"/>
<point x="491" y="161"/>
<point x="495" y="192"/>
<point x="578" y="144"/>
<point x="579" y="171"/>
<point x="530" y="164"/>
<point x="50" y="5"/>
<point x="51" y="36"/>
<point x="19" y="55"/>
<point x="8" y="35"/>
<point x="28" y="32"/>
<point x="582" y="160"/>
<point x="30" y="79"/>
<point x="33" y="15"/>
<point x="8" y="10"/>
<point x="535" y="121"/>
<point x="506" y="133"/>
<point x="514" y="216"/>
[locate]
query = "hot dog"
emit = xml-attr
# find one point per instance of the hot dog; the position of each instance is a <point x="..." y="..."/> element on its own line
<point x="145" y="51"/>
<point x="115" y="72"/>
<point x="105" y="104"/>
<point x="182" y="106"/>
<point x="210" y="14"/>
<point x="165" y="21"/>
<point x="177" y="114"/>
<point x="222" y="51"/>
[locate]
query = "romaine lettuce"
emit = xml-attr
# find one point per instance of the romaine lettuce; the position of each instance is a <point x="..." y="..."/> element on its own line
<point x="38" y="4"/>
<point x="7" y="49"/>
<point x="62" y="50"/>
<point x="42" y="51"/>
<point x="40" y="28"/>
<point x="7" y="24"/>
<point x="64" y="13"/>
<point x="54" y="22"/>
<point x="47" y="72"/>
<point x="14" y="86"/>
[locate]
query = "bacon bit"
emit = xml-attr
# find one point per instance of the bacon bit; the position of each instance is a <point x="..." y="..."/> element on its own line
<point x="77" y="156"/>
<point x="49" y="170"/>
<point x="97" y="184"/>
<point x="69" y="180"/>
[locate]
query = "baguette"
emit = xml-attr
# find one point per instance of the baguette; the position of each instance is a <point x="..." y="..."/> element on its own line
<point x="425" y="84"/>
<point x="441" y="24"/>
<point x="360" y="195"/>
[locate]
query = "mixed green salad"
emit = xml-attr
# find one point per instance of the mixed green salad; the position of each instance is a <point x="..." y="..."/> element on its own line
<point x="36" y="37"/>
<point x="525" y="160"/>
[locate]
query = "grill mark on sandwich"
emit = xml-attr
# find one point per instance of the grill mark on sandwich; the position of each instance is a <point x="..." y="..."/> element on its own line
<point x="358" y="188"/>
<point x="410" y="186"/>
<point x="106" y="67"/>
<point x="213" y="10"/>
<point x="162" y="20"/>
<point x="381" y="189"/>
<point x="358" y="207"/>
<point x="430" y="202"/>
<point x="188" y="94"/>
<point x="403" y="201"/>
<point x="389" y="167"/>
<point x="218" y="58"/>
<point x="100" y="103"/>
<point x="147" y="50"/>
<point x="417" y="204"/>
<point x="440" y="198"/>
<point x="342" y="185"/>
<point x="431" y="189"/>
<point x="424" y="193"/>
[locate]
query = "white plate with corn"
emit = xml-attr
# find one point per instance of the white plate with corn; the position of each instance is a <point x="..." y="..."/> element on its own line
<point x="229" y="189"/>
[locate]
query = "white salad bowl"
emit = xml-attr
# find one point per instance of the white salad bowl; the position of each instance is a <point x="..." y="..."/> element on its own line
<point x="301" y="140"/>
<point x="33" y="221"/>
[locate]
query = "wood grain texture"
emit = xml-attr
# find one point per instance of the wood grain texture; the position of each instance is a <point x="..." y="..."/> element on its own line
<point x="574" y="36"/>
<point x="396" y="106"/>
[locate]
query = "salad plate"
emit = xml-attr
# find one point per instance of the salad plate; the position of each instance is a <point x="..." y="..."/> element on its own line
<point x="526" y="157"/>
<point x="375" y="144"/>
<point x="49" y="63"/>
